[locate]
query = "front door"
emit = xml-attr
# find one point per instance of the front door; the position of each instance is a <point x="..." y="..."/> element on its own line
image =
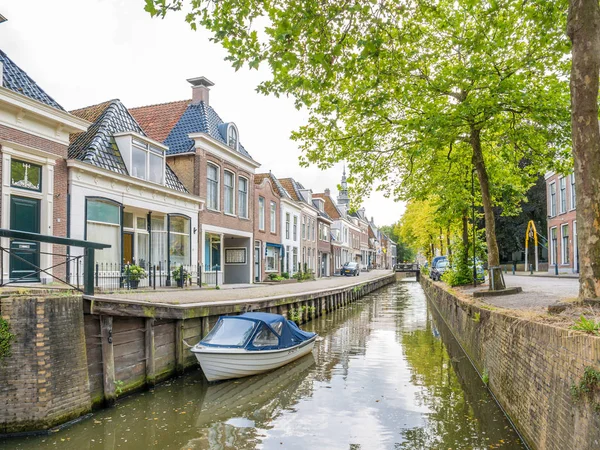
<point x="25" y="255"/>
<point x="128" y="248"/>
<point x="257" y="262"/>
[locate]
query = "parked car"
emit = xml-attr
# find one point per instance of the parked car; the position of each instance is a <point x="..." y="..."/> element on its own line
<point x="434" y="263"/>
<point x="480" y="269"/>
<point x="441" y="267"/>
<point x="351" y="269"/>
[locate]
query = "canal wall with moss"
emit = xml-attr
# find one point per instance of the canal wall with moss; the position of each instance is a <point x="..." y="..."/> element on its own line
<point x="72" y="354"/>
<point x="545" y="378"/>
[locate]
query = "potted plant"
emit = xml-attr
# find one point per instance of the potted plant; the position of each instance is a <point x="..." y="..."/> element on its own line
<point x="181" y="276"/>
<point x="133" y="274"/>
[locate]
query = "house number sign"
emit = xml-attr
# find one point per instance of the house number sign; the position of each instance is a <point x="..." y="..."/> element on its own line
<point x="25" y="175"/>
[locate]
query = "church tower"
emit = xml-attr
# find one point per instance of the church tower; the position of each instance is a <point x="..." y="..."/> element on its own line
<point x="343" y="198"/>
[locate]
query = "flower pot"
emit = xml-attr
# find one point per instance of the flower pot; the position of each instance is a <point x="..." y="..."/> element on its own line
<point x="133" y="284"/>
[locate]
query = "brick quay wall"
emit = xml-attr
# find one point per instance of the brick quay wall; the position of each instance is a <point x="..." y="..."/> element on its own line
<point x="531" y="368"/>
<point x="73" y="354"/>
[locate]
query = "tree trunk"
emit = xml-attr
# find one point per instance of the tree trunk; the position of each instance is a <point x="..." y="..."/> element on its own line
<point x="465" y="236"/>
<point x="448" y="242"/>
<point x="488" y="212"/>
<point x="583" y="28"/>
<point x="441" y="242"/>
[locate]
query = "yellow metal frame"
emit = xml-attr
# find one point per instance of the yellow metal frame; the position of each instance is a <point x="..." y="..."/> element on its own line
<point x="530" y="226"/>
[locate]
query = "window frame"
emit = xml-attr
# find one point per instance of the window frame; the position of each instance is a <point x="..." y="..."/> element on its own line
<point x="273" y="217"/>
<point x="261" y="213"/>
<point x="232" y="128"/>
<point x="288" y="219"/>
<point x="30" y="165"/>
<point x="243" y="214"/>
<point x="564" y="249"/>
<point x="552" y="197"/>
<point x="225" y="187"/>
<point x="295" y="228"/>
<point x="573" y="191"/>
<point x="217" y="187"/>
<point x="149" y="150"/>
<point x="562" y="184"/>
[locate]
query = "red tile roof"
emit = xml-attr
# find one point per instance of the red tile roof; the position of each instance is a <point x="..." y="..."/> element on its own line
<point x="330" y="207"/>
<point x="288" y="185"/>
<point x="158" y="120"/>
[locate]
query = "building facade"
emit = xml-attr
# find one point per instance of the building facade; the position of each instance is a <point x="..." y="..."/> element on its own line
<point x="268" y="250"/>
<point x="123" y="193"/>
<point x="207" y="155"/>
<point x="562" y="223"/>
<point x="34" y="139"/>
<point x="324" y="247"/>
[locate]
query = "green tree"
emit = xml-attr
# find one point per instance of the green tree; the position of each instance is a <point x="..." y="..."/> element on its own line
<point x="403" y="251"/>
<point x="388" y="83"/>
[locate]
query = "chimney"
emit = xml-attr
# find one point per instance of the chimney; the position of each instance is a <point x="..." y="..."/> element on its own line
<point x="200" y="88"/>
<point x="327" y="192"/>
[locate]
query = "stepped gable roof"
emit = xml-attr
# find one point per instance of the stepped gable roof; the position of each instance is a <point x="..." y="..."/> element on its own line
<point x="330" y="207"/>
<point x="16" y="79"/>
<point x="158" y="120"/>
<point x="97" y="146"/>
<point x="177" y="123"/>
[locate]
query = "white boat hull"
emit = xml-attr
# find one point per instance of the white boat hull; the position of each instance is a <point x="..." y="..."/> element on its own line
<point x="224" y="364"/>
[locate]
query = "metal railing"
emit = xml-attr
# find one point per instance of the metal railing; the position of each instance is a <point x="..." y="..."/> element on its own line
<point x="84" y="263"/>
<point x="407" y="267"/>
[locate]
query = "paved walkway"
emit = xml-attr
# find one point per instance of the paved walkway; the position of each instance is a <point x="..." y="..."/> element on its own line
<point x="538" y="292"/>
<point x="210" y="294"/>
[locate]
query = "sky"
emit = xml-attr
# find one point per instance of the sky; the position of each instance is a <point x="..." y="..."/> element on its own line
<point x="84" y="52"/>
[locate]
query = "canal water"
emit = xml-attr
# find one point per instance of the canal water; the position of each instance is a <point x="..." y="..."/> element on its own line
<point x="385" y="374"/>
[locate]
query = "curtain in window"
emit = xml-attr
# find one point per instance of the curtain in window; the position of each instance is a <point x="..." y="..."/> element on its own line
<point x="179" y="240"/>
<point x="103" y="223"/>
<point x="159" y="242"/>
<point x="228" y="194"/>
<point x="273" y="217"/>
<point x="261" y="213"/>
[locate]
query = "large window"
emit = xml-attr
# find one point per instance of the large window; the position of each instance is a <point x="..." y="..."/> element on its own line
<point x="228" y="194"/>
<point x="552" y="199"/>
<point x="295" y="260"/>
<point x="159" y="241"/>
<point x="103" y="222"/>
<point x="212" y="187"/>
<point x="564" y="232"/>
<point x="272" y="259"/>
<point x="295" y="227"/>
<point x="287" y="225"/>
<point x="243" y="197"/>
<point x="563" y="195"/>
<point x="232" y="137"/>
<point x="261" y="213"/>
<point x="553" y="246"/>
<point x="273" y="217"/>
<point x="573" y="196"/>
<point x="179" y="240"/>
<point x="147" y="162"/>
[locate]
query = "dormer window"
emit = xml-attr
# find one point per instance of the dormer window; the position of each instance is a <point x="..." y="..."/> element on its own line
<point x="232" y="137"/>
<point x="147" y="162"/>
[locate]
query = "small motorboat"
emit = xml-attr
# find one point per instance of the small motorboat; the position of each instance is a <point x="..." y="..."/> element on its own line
<point x="249" y="344"/>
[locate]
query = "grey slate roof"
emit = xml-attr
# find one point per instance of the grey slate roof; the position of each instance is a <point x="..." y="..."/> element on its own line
<point x="321" y="213"/>
<point x="97" y="146"/>
<point x="16" y="79"/>
<point x="197" y="118"/>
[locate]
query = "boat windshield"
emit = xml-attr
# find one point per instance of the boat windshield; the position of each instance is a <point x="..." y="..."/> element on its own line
<point x="234" y="332"/>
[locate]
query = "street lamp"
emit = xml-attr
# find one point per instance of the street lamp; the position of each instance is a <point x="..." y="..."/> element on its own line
<point x="473" y="212"/>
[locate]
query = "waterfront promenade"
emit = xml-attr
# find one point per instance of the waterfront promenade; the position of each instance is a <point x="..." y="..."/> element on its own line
<point x="240" y="292"/>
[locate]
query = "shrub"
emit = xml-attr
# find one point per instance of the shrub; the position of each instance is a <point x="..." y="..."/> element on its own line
<point x="587" y="325"/>
<point x="177" y="275"/>
<point x="5" y="338"/>
<point x="285" y="275"/>
<point x="134" y="272"/>
<point x="459" y="272"/>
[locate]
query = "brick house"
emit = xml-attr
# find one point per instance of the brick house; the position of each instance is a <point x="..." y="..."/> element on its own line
<point x="268" y="254"/>
<point x="562" y="223"/>
<point x="123" y="193"/>
<point x="34" y="136"/>
<point x="324" y="223"/>
<point x="350" y="228"/>
<point x="360" y="220"/>
<point x="308" y="223"/>
<point x="206" y="154"/>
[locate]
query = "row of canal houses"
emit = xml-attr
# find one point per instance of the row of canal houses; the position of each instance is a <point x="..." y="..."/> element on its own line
<point x="167" y="186"/>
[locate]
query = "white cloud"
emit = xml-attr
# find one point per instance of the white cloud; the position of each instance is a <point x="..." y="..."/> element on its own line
<point x="86" y="52"/>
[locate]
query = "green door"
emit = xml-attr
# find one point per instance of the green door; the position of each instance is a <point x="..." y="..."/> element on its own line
<point x="25" y="256"/>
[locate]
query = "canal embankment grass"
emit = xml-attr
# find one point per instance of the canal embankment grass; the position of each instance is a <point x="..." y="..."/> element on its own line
<point x="537" y="369"/>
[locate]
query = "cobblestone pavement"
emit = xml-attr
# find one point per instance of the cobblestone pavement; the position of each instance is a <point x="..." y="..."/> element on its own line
<point x="210" y="294"/>
<point x="538" y="292"/>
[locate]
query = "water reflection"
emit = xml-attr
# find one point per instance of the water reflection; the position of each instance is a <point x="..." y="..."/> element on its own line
<point x="386" y="373"/>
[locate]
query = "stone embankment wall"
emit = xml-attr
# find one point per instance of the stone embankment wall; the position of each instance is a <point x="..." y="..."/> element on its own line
<point x="45" y="381"/>
<point x="72" y="354"/>
<point x="531" y="368"/>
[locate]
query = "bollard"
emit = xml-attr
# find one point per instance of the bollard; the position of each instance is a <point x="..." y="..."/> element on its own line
<point x="556" y="269"/>
<point x="514" y="268"/>
<point x="530" y="269"/>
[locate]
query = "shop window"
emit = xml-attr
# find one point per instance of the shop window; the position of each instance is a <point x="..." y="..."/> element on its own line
<point x="103" y="224"/>
<point x="179" y="240"/>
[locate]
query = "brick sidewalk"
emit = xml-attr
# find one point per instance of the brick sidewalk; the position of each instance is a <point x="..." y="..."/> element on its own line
<point x="210" y="294"/>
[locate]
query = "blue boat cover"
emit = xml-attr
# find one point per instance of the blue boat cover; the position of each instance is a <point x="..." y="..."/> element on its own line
<point x="287" y="331"/>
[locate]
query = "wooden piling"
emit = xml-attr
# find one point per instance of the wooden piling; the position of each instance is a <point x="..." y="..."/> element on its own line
<point x="108" y="360"/>
<point x="179" y="359"/>
<point x="150" y="353"/>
